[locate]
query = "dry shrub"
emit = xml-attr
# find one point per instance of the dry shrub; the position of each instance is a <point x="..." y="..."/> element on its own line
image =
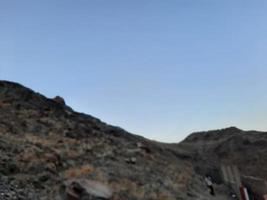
<point x="51" y="157"/>
<point x="28" y="155"/>
<point x="129" y="187"/>
<point x="39" y="140"/>
<point x="183" y="179"/>
<point x="164" y="195"/>
<point x="78" y="171"/>
<point x="4" y="104"/>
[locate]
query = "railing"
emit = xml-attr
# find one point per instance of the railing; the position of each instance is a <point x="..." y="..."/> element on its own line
<point x="232" y="176"/>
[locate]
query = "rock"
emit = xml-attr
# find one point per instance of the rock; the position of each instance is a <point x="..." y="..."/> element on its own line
<point x="131" y="160"/>
<point x="71" y="134"/>
<point x="76" y="189"/>
<point x="51" y="167"/>
<point x="52" y="158"/>
<point x="140" y="145"/>
<point x="59" y="100"/>
<point x="133" y="151"/>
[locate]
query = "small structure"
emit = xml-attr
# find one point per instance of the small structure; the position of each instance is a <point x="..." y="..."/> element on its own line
<point x="231" y="176"/>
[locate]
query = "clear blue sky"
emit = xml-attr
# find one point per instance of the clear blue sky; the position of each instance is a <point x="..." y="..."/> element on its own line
<point x="161" y="69"/>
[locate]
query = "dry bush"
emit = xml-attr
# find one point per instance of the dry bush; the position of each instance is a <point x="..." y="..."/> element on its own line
<point x="183" y="179"/>
<point x="39" y="140"/>
<point x="165" y="195"/>
<point x="28" y="155"/>
<point x="4" y="104"/>
<point x="129" y="187"/>
<point x="76" y="172"/>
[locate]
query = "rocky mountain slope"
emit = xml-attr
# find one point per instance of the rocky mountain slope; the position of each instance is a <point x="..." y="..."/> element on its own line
<point x="48" y="151"/>
<point x="247" y="150"/>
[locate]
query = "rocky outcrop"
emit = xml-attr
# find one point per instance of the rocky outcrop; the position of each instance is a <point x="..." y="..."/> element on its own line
<point x="59" y="100"/>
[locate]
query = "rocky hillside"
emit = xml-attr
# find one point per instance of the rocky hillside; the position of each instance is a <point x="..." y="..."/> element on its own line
<point x="247" y="150"/>
<point x="50" y="152"/>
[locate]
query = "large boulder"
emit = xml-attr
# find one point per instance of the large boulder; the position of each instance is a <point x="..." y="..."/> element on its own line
<point x="83" y="189"/>
<point x="59" y="100"/>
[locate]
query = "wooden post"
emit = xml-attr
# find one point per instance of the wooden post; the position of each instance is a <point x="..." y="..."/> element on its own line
<point x="237" y="176"/>
<point x="230" y="175"/>
<point x="224" y="173"/>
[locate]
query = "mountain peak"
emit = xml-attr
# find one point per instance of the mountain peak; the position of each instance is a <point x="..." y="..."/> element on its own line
<point x="213" y="134"/>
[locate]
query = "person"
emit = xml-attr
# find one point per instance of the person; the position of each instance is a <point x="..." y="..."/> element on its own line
<point x="210" y="185"/>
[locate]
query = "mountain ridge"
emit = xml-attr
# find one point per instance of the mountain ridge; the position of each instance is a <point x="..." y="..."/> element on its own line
<point x="44" y="145"/>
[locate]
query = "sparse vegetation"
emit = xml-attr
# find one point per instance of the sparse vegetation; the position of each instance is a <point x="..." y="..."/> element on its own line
<point x="44" y="143"/>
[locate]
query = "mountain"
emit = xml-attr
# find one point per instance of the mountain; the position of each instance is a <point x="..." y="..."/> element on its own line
<point x="246" y="150"/>
<point x="50" y="152"/>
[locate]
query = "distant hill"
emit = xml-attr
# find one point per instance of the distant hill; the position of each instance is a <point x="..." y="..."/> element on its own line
<point x="48" y="151"/>
<point x="231" y="147"/>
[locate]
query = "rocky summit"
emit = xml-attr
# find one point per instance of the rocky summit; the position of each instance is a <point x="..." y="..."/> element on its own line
<point x="50" y="152"/>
